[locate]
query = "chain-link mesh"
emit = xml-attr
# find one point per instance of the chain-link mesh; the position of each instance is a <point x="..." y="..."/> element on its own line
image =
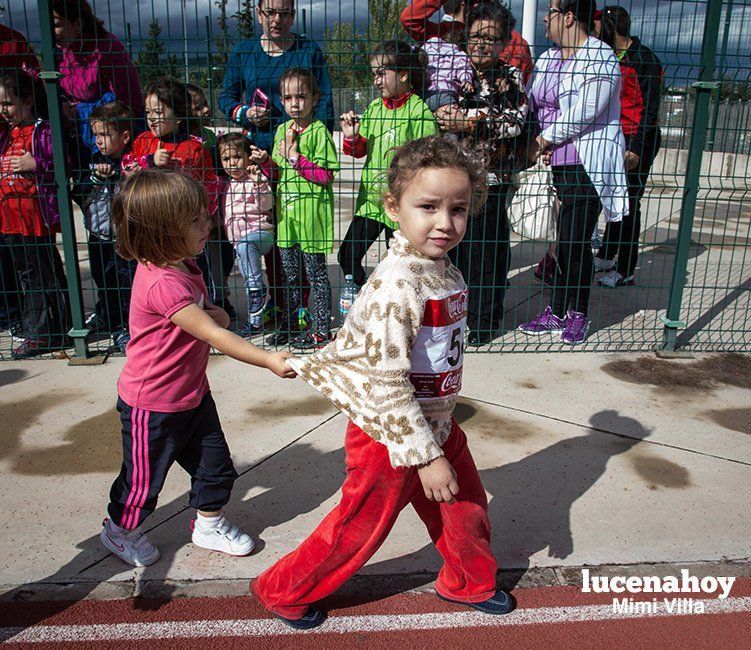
<point x="321" y="194"/>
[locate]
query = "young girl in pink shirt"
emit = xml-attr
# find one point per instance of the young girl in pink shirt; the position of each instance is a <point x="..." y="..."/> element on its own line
<point x="166" y="408"/>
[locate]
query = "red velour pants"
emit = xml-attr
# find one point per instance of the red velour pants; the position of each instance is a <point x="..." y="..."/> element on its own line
<point x="373" y="495"/>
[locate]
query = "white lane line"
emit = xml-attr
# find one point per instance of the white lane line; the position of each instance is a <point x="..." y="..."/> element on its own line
<point x="266" y="627"/>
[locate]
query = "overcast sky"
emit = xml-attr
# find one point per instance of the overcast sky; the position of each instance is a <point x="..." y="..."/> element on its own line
<point x="672" y="28"/>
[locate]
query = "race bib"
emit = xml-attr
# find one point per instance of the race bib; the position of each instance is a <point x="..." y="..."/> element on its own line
<point x="438" y="353"/>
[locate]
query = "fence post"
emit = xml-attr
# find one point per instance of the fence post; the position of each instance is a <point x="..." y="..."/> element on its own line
<point x="72" y="272"/>
<point x="723" y="64"/>
<point x="704" y="87"/>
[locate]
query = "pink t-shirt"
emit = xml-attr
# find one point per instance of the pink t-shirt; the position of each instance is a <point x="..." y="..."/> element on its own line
<point x="165" y="369"/>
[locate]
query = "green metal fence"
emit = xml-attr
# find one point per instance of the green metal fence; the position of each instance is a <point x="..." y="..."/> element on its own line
<point x="692" y="280"/>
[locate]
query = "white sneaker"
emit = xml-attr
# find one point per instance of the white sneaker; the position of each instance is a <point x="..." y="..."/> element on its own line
<point x="603" y="265"/>
<point x="131" y="546"/>
<point x="613" y="279"/>
<point x="224" y="537"/>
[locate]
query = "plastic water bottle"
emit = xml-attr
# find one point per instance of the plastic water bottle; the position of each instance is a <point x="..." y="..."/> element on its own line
<point x="347" y="295"/>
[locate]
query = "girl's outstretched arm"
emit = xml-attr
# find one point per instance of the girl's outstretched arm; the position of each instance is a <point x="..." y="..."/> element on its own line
<point x="196" y="322"/>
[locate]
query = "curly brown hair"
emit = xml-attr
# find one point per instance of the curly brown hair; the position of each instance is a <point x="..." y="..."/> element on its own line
<point x="152" y="214"/>
<point x="435" y="152"/>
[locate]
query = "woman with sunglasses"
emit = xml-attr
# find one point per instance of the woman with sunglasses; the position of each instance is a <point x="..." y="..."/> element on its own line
<point x="486" y="119"/>
<point x="575" y="98"/>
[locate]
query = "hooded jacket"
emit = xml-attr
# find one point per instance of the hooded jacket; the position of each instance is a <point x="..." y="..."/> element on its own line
<point x="44" y="174"/>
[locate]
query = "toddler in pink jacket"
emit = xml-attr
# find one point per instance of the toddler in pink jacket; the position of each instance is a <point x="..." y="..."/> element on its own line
<point x="247" y="202"/>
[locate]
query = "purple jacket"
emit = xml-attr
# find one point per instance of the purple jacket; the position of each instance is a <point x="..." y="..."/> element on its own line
<point x="100" y="66"/>
<point x="41" y="149"/>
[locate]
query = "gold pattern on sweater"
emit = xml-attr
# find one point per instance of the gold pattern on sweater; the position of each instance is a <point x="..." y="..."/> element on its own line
<point x="365" y="372"/>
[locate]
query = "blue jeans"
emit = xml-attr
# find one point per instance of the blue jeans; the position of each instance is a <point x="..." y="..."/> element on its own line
<point x="249" y="251"/>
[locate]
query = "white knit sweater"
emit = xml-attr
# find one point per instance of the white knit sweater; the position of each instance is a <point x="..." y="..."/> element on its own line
<point x="395" y="367"/>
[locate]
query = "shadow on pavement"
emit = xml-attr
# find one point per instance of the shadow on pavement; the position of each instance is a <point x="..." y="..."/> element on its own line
<point x="289" y="491"/>
<point x="531" y="499"/>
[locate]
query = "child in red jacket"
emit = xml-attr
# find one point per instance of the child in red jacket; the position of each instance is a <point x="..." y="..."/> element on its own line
<point x="168" y="144"/>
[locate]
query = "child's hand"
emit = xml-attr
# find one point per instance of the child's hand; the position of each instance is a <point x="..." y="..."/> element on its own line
<point x="278" y="366"/>
<point x="103" y="170"/>
<point x="162" y="157"/>
<point x="468" y="88"/>
<point x="540" y="148"/>
<point x="257" y="115"/>
<point x="254" y="172"/>
<point x="350" y="124"/>
<point x="288" y="146"/>
<point x="258" y="155"/>
<point x="438" y="480"/>
<point x="23" y="164"/>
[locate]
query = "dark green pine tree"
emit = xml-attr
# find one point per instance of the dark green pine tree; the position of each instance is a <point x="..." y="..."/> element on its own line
<point x="246" y="19"/>
<point x="222" y="42"/>
<point x="149" y="59"/>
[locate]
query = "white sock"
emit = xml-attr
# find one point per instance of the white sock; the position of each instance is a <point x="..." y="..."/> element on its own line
<point x="208" y="523"/>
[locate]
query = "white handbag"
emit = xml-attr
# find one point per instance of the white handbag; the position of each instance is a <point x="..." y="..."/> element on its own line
<point x="532" y="203"/>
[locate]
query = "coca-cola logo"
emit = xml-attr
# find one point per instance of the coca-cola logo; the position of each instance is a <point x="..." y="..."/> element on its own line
<point x="452" y="382"/>
<point x="457" y="305"/>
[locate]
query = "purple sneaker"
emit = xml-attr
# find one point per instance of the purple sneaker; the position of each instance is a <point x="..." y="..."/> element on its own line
<point x="545" y="323"/>
<point x="577" y="327"/>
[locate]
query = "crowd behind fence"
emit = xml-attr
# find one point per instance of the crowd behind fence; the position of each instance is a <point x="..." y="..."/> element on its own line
<point x="657" y="259"/>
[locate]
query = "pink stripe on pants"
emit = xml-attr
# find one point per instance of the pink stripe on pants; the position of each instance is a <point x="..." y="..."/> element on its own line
<point x="139" y="487"/>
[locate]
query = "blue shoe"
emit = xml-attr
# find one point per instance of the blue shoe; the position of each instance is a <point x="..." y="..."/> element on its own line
<point x="121" y="338"/>
<point x="500" y="603"/>
<point x="312" y="618"/>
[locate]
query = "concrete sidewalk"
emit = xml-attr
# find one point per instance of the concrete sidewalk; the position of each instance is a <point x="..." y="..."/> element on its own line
<point x="589" y="459"/>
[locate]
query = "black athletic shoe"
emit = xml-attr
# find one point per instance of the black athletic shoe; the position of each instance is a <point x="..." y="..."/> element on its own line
<point x="312" y="618"/>
<point x="500" y="603"/>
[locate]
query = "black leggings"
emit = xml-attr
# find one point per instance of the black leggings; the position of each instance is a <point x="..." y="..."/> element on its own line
<point x="46" y="312"/>
<point x="113" y="277"/>
<point x="483" y="258"/>
<point x="622" y="237"/>
<point x="361" y="234"/>
<point x="10" y="290"/>
<point x="317" y="272"/>
<point x="580" y="207"/>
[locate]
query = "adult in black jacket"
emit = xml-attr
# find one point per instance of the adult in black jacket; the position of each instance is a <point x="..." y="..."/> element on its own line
<point x="641" y="79"/>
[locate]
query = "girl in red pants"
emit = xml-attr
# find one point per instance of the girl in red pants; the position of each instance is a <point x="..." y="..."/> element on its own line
<point x="395" y="369"/>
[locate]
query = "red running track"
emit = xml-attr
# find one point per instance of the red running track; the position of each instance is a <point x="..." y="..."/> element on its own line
<point x="553" y="615"/>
